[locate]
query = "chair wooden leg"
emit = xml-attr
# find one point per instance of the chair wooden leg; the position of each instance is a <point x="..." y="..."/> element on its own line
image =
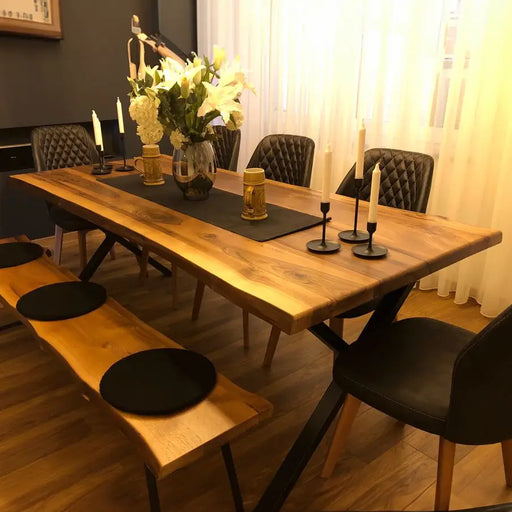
<point x="506" y="450"/>
<point x="336" y="325"/>
<point x="57" y="248"/>
<point x="82" y="248"/>
<point x="174" y="285"/>
<point x="198" y="298"/>
<point x="143" y="264"/>
<point x="271" y="346"/>
<point x="339" y="441"/>
<point x="445" y="462"/>
<point x="245" y="323"/>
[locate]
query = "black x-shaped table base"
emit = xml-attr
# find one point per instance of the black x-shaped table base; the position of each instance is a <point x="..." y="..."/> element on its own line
<point x="320" y="420"/>
<point x="104" y="248"/>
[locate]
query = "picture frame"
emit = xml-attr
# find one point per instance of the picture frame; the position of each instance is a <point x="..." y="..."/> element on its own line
<point x="35" y="18"/>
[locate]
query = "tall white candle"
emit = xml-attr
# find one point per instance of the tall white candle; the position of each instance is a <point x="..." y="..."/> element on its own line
<point x="120" y="119"/>
<point x="98" y="139"/>
<point x="326" y="182"/>
<point x="374" y="194"/>
<point x="360" y="151"/>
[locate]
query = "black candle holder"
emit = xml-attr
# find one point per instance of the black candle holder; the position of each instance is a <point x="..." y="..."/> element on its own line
<point x="370" y="251"/>
<point x="124" y="167"/>
<point x="355" y="236"/>
<point x="322" y="245"/>
<point x="101" y="167"/>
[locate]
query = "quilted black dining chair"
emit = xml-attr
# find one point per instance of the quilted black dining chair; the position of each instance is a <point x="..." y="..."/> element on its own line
<point x="437" y="377"/>
<point x="286" y="158"/>
<point x="56" y="147"/>
<point x="227" y="147"/>
<point x="406" y="180"/>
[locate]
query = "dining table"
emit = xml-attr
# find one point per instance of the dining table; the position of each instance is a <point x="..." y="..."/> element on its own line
<point x="279" y="279"/>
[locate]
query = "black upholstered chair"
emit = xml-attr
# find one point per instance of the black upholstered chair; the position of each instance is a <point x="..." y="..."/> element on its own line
<point x="227" y="147"/>
<point x="405" y="183"/>
<point x="59" y="146"/>
<point x="436" y="377"/>
<point x="285" y="158"/>
<point x="405" y="180"/>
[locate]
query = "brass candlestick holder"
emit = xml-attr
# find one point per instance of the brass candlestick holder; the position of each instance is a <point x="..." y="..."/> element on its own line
<point x="370" y="251"/>
<point x="323" y="246"/>
<point x="354" y="236"/>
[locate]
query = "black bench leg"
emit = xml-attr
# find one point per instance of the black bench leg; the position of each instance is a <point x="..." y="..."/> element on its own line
<point x="233" y="480"/>
<point x="11" y="325"/>
<point x="154" y="499"/>
<point x="290" y="470"/>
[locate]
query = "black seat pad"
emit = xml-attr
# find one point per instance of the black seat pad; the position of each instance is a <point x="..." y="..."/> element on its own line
<point x="13" y="254"/>
<point x="388" y="370"/>
<point x="158" y="381"/>
<point x="60" y="301"/>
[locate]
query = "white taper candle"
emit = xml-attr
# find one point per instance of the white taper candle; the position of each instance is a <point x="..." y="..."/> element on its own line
<point x="374" y="194"/>
<point x="326" y="182"/>
<point x="120" y="119"/>
<point x="360" y="151"/>
<point x="98" y="139"/>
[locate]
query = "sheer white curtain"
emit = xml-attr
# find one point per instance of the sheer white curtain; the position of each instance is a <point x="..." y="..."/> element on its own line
<point x="426" y="75"/>
<point x="473" y="179"/>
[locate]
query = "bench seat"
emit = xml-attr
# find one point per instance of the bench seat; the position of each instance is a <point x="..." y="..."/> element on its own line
<point x="90" y="344"/>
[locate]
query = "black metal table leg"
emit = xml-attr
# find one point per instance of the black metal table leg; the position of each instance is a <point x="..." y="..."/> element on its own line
<point x="233" y="479"/>
<point x="154" y="499"/>
<point x="135" y="249"/>
<point x="387" y="309"/>
<point x="313" y="432"/>
<point x="97" y="258"/>
<point x="300" y="453"/>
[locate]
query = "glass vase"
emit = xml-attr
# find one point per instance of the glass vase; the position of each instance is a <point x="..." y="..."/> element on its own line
<point x="194" y="170"/>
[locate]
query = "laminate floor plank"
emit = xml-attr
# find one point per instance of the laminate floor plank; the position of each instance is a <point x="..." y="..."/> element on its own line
<point x="59" y="453"/>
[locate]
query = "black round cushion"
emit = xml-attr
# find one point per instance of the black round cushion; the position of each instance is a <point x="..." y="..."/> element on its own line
<point x="60" y="301"/>
<point x="158" y="381"/>
<point x="18" y="253"/>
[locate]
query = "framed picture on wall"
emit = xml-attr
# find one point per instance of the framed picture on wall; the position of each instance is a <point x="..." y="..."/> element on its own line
<point x="38" y="18"/>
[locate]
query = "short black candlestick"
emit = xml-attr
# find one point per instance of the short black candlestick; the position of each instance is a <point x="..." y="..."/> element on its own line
<point x="370" y="251"/>
<point x="323" y="246"/>
<point x="354" y="236"/>
<point x="101" y="167"/>
<point x="124" y="167"/>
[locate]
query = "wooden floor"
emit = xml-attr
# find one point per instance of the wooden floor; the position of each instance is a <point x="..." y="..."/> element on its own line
<point x="57" y="453"/>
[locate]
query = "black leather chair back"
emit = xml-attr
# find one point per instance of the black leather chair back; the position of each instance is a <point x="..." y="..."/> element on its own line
<point x="226" y="146"/>
<point x="285" y="158"/>
<point x="481" y="397"/>
<point x="405" y="180"/>
<point x="65" y="145"/>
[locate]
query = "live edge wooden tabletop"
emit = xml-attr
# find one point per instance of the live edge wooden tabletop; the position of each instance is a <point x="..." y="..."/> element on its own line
<point x="278" y="280"/>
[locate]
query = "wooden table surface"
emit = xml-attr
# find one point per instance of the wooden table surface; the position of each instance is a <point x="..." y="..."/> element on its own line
<point x="279" y="280"/>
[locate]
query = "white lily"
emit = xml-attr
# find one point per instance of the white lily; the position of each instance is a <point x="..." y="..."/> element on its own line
<point x="219" y="55"/>
<point x="231" y="74"/>
<point x="221" y="98"/>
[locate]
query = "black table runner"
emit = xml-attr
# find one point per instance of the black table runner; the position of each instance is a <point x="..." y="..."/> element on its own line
<point x="222" y="209"/>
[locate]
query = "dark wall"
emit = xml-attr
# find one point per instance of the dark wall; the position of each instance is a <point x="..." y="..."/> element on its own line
<point x="177" y="22"/>
<point x="51" y="82"/>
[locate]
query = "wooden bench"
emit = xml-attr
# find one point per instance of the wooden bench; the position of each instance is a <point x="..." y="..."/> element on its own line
<point x="91" y="343"/>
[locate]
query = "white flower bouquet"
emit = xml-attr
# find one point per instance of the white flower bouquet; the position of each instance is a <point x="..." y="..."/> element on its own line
<point x="183" y="101"/>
